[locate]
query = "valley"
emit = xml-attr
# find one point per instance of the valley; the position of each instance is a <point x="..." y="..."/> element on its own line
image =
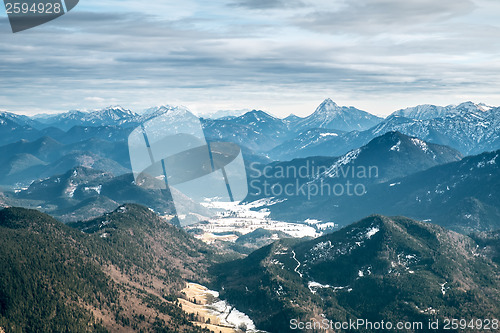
<point x="235" y="219"/>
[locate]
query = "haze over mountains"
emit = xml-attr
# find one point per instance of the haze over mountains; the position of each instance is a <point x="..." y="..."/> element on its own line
<point x="435" y="166"/>
<point x="328" y="116"/>
<point x="329" y="131"/>
<point x="408" y="141"/>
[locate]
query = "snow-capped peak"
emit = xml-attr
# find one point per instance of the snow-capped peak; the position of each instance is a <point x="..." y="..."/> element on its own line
<point x="328" y="106"/>
<point x="329" y="115"/>
<point x="473" y="107"/>
<point x="171" y="110"/>
<point x="425" y="111"/>
<point x="257" y="115"/>
<point x="113" y="112"/>
<point x="167" y="113"/>
<point x="428" y="111"/>
<point x="160" y="108"/>
<point x="484" y="107"/>
<point x="117" y="109"/>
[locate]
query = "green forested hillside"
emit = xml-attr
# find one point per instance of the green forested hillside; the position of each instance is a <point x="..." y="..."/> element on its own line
<point x="122" y="275"/>
<point x="44" y="277"/>
<point x="392" y="269"/>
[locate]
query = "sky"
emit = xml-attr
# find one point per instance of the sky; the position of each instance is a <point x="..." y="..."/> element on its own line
<point x="280" y="56"/>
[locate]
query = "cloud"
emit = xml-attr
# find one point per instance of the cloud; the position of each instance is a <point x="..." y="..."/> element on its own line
<point x="378" y="16"/>
<point x="268" y="4"/>
<point x="247" y="55"/>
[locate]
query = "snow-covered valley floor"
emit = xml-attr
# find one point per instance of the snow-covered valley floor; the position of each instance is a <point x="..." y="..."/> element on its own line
<point x="233" y="219"/>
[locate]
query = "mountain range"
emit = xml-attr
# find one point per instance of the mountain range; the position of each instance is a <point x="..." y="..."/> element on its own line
<point x="331" y="130"/>
<point x="113" y="115"/>
<point x="469" y="128"/>
<point x="82" y="193"/>
<point x="112" y="257"/>
<point x="461" y="195"/>
<point x="386" y="157"/>
<point x="124" y="271"/>
<point x="428" y="111"/>
<point x="409" y="141"/>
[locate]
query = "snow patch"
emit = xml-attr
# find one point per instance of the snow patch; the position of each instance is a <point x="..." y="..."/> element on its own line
<point x="346" y="159"/>
<point x="396" y="146"/>
<point x="421" y="144"/>
<point x="372" y="231"/>
<point x="312" y="221"/>
<point x="94" y="188"/>
<point x="314" y="286"/>
<point x="443" y="288"/>
<point x="70" y="191"/>
<point x="322" y="246"/>
<point x="493" y="160"/>
<point x="326" y="225"/>
<point x="233" y="217"/>
<point x="328" y="134"/>
<point x="231" y="316"/>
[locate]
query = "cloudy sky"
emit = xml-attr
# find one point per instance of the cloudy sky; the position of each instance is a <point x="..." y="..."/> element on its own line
<point x="281" y="56"/>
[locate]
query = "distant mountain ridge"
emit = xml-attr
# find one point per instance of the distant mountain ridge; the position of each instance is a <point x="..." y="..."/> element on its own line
<point x="470" y="128"/>
<point x="82" y="193"/>
<point x="462" y="196"/>
<point x="389" y="156"/>
<point x="25" y="161"/>
<point x="113" y="115"/>
<point x="427" y="111"/>
<point x="19" y="119"/>
<point x="256" y="130"/>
